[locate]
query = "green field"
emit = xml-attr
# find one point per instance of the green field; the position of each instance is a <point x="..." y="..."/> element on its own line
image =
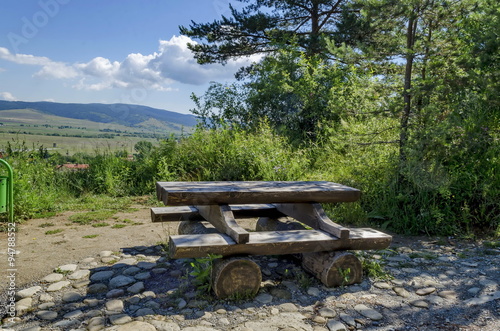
<point x="69" y="136"/>
<point x="72" y="145"/>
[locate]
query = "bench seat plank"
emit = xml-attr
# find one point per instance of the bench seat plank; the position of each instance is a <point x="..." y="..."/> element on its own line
<point x="275" y="243"/>
<point x="253" y="192"/>
<point x="191" y="213"/>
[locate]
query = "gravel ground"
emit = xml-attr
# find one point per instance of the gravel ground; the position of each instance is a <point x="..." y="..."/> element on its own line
<point x="434" y="285"/>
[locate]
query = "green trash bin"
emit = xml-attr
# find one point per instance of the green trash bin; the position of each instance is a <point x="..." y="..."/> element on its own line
<point x="3" y="193"/>
<point x="7" y="191"/>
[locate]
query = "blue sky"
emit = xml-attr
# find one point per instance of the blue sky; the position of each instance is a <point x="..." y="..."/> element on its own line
<point x="109" y="51"/>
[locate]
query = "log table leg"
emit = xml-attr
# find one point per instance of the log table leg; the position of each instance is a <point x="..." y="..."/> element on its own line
<point x="332" y="268"/>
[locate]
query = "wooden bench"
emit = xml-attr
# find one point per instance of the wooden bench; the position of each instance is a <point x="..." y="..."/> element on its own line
<point x="215" y="207"/>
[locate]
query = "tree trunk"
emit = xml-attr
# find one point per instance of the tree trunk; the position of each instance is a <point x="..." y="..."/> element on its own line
<point x="410" y="42"/>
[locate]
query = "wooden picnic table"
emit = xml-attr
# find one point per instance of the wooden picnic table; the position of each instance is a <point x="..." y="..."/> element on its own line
<point x="214" y="207"/>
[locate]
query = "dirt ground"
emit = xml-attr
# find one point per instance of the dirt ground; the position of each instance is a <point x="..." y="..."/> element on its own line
<point x="39" y="253"/>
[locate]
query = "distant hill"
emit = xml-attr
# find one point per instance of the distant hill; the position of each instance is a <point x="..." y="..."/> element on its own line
<point x="119" y="113"/>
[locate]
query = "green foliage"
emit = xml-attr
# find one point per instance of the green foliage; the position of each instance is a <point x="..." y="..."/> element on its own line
<point x="91" y="216"/>
<point x="202" y="271"/>
<point x="346" y="275"/>
<point x="375" y="270"/>
<point x="53" y="231"/>
<point x="230" y="154"/>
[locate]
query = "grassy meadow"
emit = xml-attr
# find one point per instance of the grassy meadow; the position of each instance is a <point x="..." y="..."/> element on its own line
<point x="68" y="136"/>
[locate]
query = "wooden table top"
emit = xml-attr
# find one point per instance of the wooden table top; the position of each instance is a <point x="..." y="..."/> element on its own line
<point x="253" y="192"/>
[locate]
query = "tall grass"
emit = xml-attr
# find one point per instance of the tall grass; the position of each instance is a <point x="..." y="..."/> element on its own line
<point x="454" y="189"/>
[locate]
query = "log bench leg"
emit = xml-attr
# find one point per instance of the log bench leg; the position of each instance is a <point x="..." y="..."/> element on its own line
<point x="230" y="277"/>
<point x="331" y="268"/>
<point x="233" y="277"/>
<point x="334" y="268"/>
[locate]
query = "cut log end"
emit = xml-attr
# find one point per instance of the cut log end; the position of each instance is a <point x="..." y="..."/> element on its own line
<point x="235" y="278"/>
<point x="334" y="268"/>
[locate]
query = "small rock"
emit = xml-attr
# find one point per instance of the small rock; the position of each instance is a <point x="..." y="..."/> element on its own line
<point x="96" y="323"/>
<point x="52" y="278"/>
<point x="29" y="292"/>
<point x="288" y="307"/>
<point x="425" y="291"/>
<point x="318" y="319"/>
<point x="46" y="305"/>
<point x="114" y="305"/>
<point x="115" y="293"/>
<point x="136" y="288"/>
<point x="291" y="286"/>
<point x="145" y="312"/>
<point x="411" y="270"/>
<point x="327" y="312"/>
<point x="146" y="265"/>
<point x="105" y="253"/>
<point x="450" y="295"/>
<point x="264" y="298"/>
<point x="26" y="302"/>
<point x="101" y="275"/>
<point x="487" y="282"/>
<point x="81" y="283"/>
<point x="483" y="299"/>
<point x="71" y="297"/>
<point x="67" y="268"/>
<point x="165" y="326"/>
<point x="46" y="315"/>
<point x="368" y="312"/>
<point x="401" y="292"/>
<point x="382" y="285"/>
<point x="182" y="304"/>
<point x="474" y="290"/>
<point x="335" y="326"/>
<point x="97" y="288"/>
<point x="125" y="262"/>
<point x="58" y="286"/>
<point x="65" y="324"/>
<point x="281" y="293"/>
<point x="420" y="303"/>
<point x="120" y="319"/>
<point x="131" y="271"/>
<point x="79" y="274"/>
<point x="44" y="297"/>
<point x="120" y="281"/>
<point x="149" y="294"/>
<point x="91" y="302"/>
<point x="313" y="291"/>
<point x="143" y="275"/>
<point x="136" y="326"/>
<point x="73" y="314"/>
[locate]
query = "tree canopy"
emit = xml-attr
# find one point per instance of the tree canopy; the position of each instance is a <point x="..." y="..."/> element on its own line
<point x="263" y="26"/>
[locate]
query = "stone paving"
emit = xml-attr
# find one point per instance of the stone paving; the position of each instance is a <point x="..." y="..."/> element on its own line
<point x="434" y="286"/>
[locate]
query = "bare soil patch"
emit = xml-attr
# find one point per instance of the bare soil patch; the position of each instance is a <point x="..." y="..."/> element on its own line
<point x="40" y="252"/>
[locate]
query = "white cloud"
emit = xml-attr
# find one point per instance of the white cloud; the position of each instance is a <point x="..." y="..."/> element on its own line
<point x="173" y="62"/>
<point x="49" y="68"/>
<point x="7" y="96"/>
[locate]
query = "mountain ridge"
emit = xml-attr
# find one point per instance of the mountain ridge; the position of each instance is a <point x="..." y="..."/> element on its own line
<point x="119" y="113"/>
